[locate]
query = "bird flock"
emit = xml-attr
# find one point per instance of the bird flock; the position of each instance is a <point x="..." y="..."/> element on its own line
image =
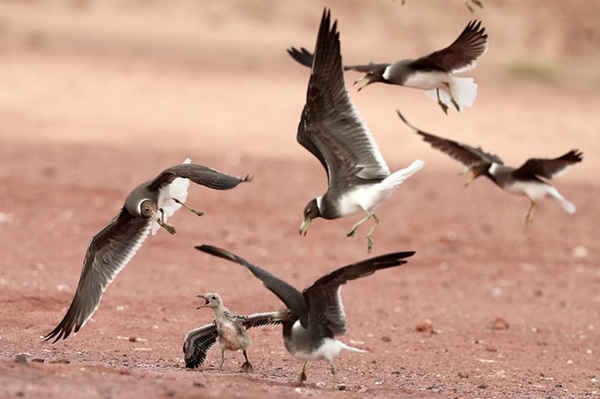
<point x="359" y="179"/>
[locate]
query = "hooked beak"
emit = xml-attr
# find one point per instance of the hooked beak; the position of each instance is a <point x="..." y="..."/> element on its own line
<point x="205" y="301"/>
<point x="362" y="82"/>
<point x="304" y="226"/>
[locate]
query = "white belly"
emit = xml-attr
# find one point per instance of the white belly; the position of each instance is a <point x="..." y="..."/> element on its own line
<point x="427" y="80"/>
<point x="363" y="198"/>
<point x="533" y="190"/>
<point x="328" y="350"/>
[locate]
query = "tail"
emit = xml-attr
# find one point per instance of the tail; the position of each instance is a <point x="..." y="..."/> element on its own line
<point x="398" y="177"/>
<point x="350" y="348"/>
<point x="463" y="90"/>
<point x="567" y="206"/>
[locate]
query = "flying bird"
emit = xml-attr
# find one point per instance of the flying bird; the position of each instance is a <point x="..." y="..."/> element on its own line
<point x="316" y="315"/>
<point x="146" y="209"/>
<point x="434" y="73"/>
<point x="333" y="131"/>
<point x="529" y="179"/>
<point x="228" y="330"/>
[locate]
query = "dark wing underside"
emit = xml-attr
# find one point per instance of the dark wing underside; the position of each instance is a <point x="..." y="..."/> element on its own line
<point x="198" y="174"/>
<point x="330" y="126"/>
<point x="305" y="57"/>
<point x="197" y="344"/>
<point x="290" y="296"/>
<point x="465" y="154"/>
<point x="323" y="297"/>
<point x="460" y="55"/>
<point x="108" y="253"/>
<point x="548" y="168"/>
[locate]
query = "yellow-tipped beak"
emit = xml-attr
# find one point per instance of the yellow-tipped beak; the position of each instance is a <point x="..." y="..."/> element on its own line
<point x="362" y="82"/>
<point x="471" y="177"/>
<point x="304" y="227"/>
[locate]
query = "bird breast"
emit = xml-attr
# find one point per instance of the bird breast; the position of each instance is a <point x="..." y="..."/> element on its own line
<point x="232" y="337"/>
<point x="427" y="80"/>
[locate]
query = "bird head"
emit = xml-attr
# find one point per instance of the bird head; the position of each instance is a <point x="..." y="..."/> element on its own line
<point x="311" y="211"/>
<point x="147" y="208"/>
<point x="476" y="171"/>
<point x="373" y="76"/>
<point x="211" y="300"/>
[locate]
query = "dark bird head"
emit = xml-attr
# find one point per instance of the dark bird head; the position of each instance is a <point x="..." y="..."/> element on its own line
<point x="480" y="169"/>
<point x="376" y="75"/>
<point x="211" y="300"/>
<point x="311" y="211"/>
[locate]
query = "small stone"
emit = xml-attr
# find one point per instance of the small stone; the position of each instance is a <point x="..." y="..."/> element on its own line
<point x="425" y="326"/>
<point x="133" y="339"/>
<point x="463" y="374"/>
<point x="491" y="349"/>
<point x="21" y="358"/>
<point x="341" y="387"/>
<point x="499" y="324"/>
<point x="482" y="386"/>
<point x="60" y="361"/>
<point x="198" y="384"/>
<point x="580" y="252"/>
<point x="124" y="372"/>
<point x="37" y="360"/>
<point x="385" y="338"/>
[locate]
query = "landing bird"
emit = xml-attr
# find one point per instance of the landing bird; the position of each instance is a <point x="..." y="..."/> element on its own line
<point x="333" y="131"/>
<point x="228" y="330"/>
<point x="433" y="73"/>
<point x="316" y="315"/>
<point x="527" y="180"/>
<point x="146" y="209"/>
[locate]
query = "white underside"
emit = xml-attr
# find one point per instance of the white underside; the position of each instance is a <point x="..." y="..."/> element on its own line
<point x="328" y="350"/>
<point x="177" y="189"/>
<point x="367" y="197"/>
<point x="538" y="190"/>
<point x="462" y="89"/>
<point x="427" y="80"/>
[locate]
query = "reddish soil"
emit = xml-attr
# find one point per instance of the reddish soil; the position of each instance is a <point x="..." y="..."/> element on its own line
<point x="95" y="100"/>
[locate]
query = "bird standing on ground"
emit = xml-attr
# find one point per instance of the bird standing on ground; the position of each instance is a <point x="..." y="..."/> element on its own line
<point x="146" y="209"/>
<point x="316" y="315"/>
<point x="527" y="180"/>
<point x="228" y="330"/>
<point x="333" y="131"/>
<point x="434" y="73"/>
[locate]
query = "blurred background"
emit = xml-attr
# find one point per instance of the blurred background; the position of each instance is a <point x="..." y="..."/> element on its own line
<point x="187" y="74"/>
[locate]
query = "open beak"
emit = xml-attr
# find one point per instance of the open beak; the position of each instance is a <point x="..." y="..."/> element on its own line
<point x="362" y="82"/>
<point x="205" y="301"/>
<point x="304" y="227"/>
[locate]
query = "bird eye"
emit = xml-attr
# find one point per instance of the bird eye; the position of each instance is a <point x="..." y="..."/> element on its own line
<point x="147" y="208"/>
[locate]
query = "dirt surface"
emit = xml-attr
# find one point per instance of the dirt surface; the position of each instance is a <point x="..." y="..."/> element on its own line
<point x="99" y="96"/>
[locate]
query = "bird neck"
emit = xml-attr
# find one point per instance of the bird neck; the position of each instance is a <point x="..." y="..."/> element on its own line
<point x="219" y="311"/>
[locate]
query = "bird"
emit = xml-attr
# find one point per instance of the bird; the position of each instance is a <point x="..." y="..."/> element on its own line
<point x="228" y="330"/>
<point x="146" y="209"/>
<point x="316" y="315"/>
<point x="332" y="130"/>
<point x="434" y="73"/>
<point x="529" y="179"/>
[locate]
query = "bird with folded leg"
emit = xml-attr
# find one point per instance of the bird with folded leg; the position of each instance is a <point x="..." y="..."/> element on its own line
<point x="146" y="209"/>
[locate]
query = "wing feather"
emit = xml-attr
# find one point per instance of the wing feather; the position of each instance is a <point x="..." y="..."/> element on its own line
<point x="548" y="168"/>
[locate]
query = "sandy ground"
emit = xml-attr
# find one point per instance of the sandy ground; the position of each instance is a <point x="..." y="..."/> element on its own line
<point x="98" y="97"/>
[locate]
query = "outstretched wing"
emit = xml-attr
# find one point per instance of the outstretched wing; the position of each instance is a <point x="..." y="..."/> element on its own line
<point x="461" y="55"/>
<point x="548" y="168"/>
<point x="197" y="344"/>
<point x="108" y="253"/>
<point x="330" y="126"/>
<point x="324" y="296"/>
<point x="198" y="174"/>
<point x="290" y="296"/>
<point x="305" y="57"/>
<point x="465" y="154"/>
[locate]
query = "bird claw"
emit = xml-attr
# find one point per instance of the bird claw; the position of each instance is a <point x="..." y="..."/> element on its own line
<point x="351" y="233"/>
<point x="302" y="377"/>
<point x="247" y="367"/>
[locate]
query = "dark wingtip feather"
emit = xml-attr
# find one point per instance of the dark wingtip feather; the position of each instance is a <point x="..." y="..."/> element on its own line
<point x="410" y="125"/>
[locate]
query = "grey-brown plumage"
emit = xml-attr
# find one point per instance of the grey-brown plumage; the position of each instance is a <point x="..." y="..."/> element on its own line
<point x="146" y="208"/>
<point x="433" y="72"/>
<point x="529" y="179"/>
<point x="333" y="131"/>
<point x="316" y="315"/>
<point x="228" y="330"/>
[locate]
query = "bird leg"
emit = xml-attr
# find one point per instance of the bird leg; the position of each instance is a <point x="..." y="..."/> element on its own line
<point x="161" y="222"/>
<point x="440" y="103"/>
<point x="302" y="376"/>
<point x="247" y="366"/>
<point x="222" y="358"/>
<point x="358" y="224"/>
<point x="370" y="235"/>
<point x="194" y="211"/>
<point x="529" y="216"/>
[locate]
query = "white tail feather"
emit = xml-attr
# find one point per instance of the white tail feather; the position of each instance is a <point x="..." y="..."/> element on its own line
<point x="463" y="90"/>
<point x="444" y="96"/>
<point x="567" y="206"/>
<point x="177" y="189"/>
<point x="398" y="177"/>
<point x="350" y="348"/>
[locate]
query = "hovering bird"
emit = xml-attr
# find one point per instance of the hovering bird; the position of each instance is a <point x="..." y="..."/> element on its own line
<point x="146" y="209"/>
<point x="228" y="330"/>
<point x="434" y="73"/>
<point x="316" y="315"/>
<point x="333" y="131"/>
<point x="527" y="180"/>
